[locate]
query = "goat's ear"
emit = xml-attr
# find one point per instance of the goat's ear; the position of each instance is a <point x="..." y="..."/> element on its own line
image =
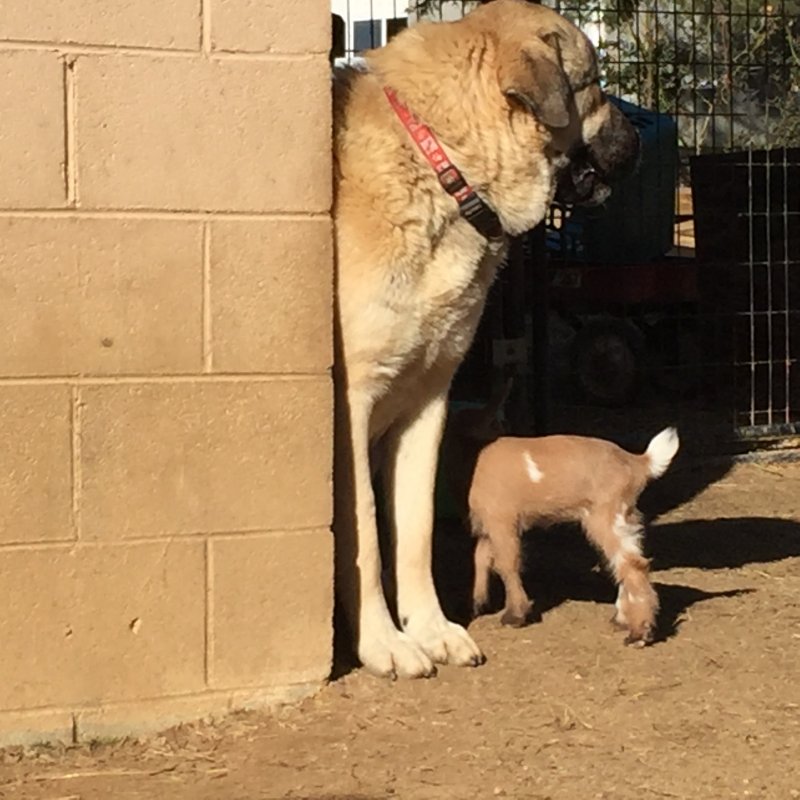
<point x="534" y="77"/>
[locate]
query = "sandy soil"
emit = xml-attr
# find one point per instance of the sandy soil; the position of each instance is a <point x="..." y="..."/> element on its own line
<point x="561" y="709"/>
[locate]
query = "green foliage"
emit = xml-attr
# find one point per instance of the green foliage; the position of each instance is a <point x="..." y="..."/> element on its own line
<point x="432" y="8"/>
<point x="729" y="70"/>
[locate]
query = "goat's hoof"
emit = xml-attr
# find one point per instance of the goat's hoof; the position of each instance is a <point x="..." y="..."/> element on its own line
<point x="516" y="619"/>
<point x="640" y="640"/>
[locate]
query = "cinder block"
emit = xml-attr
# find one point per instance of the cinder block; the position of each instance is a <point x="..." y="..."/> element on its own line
<point x="272" y="26"/>
<point x="33" y="727"/>
<point x="35" y="463"/>
<point x="167" y="133"/>
<point x="163" y="459"/>
<point x="272" y="296"/>
<point x="91" y="624"/>
<point x="149" y="716"/>
<point x="272" y="608"/>
<point x="92" y="296"/>
<point x="273" y="697"/>
<point x="31" y="128"/>
<point x="142" y="23"/>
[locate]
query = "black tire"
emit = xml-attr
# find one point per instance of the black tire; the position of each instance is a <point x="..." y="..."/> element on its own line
<point x="606" y="360"/>
<point x="675" y="354"/>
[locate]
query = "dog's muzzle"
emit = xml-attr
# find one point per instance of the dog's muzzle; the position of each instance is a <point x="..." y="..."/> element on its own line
<point x="581" y="184"/>
<point x="595" y="166"/>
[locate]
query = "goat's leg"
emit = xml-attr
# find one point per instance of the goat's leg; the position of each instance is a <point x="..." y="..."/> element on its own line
<point x="483" y="566"/>
<point x="507" y="552"/>
<point x="617" y="532"/>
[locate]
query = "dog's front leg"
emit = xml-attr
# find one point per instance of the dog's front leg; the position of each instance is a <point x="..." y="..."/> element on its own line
<point x="381" y="647"/>
<point x="414" y="451"/>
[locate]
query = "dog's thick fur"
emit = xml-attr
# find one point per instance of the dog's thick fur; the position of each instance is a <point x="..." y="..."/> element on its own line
<point x="512" y="93"/>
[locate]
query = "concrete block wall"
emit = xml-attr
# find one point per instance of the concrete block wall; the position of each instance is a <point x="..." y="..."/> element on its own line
<point x="165" y="391"/>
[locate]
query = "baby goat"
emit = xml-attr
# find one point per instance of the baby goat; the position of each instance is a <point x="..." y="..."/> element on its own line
<point x="519" y="482"/>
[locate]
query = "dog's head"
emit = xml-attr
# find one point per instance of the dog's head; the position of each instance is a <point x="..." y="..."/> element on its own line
<point x="547" y="68"/>
<point x="513" y="91"/>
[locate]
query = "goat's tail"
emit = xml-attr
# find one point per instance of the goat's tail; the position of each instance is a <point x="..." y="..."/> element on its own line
<point x="661" y="451"/>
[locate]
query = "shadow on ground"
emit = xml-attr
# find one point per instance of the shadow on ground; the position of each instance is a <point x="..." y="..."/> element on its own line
<point x="684" y="481"/>
<point x="561" y="565"/>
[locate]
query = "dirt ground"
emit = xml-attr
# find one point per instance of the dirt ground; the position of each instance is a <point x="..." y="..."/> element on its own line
<point x="560" y="710"/>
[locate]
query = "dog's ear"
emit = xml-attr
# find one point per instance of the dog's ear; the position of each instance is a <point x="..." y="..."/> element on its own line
<point x="534" y="77"/>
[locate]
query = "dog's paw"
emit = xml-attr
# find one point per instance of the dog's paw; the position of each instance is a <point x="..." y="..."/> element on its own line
<point x="387" y="652"/>
<point x="444" y="641"/>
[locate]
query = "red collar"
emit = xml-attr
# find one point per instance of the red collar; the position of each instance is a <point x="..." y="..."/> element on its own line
<point x="472" y="207"/>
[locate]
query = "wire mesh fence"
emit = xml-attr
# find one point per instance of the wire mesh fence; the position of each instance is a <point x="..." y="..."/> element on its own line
<point x="679" y="300"/>
<point x="700" y="252"/>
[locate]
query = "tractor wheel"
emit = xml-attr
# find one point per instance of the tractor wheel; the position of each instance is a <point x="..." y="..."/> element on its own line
<point x="606" y="360"/>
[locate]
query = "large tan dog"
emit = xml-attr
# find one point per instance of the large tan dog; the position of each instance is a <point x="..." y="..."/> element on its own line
<point x="511" y="91"/>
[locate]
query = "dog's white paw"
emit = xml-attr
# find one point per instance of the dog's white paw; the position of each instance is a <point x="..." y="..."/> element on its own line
<point x="390" y="653"/>
<point x="444" y="641"/>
